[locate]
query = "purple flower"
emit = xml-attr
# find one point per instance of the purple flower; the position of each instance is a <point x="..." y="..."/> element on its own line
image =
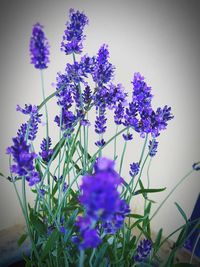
<point x="46" y="152"/>
<point x="103" y="206"/>
<point x="119" y="114"/>
<point x="153" y="145"/>
<point x="31" y="127"/>
<point x="39" y="48"/>
<point x="24" y="160"/>
<point x="103" y="71"/>
<point x="159" y="120"/>
<point x="99" y="191"/>
<point x="196" y="166"/>
<point x="85" y="122"/>
<point x="87" y="95"/>
<point x="65" y="95"/>
<point x="100" y="143"/>
<point x="73" y="37"/>
<point x="140" y="114"/>
<point x="100" y="122"/>
<point x="134" y="168"/>
<point x="21" y="156"/>
<point x="33" y="178"/>
<point x="143" y="250"/>
<point x="127" y="137"/>
<point x="91" y="239"/>
<point x="66" y="121"/>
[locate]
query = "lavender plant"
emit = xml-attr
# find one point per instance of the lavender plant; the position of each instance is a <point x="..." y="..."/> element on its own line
<point x="82" y="214"/>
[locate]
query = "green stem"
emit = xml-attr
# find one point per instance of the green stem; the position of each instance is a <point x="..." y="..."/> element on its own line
<point x="194" y="248"/>
<point x="81" y="259"/>
<point x="122" y="157"/>
<point x="115" y="143"/>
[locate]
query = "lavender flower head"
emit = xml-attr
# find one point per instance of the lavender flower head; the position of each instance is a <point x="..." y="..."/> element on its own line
<point x="24" y="160"/>
<point x="134" y="169"/>
<point x="46" y="152"/>
<point x="153" y="145"/>
<point x="31" y="127"/>
<point x="102" y="203"/>
<point x="39" y="48"/>
<point x="73" y="37"/>
<point x="143" y="250"/>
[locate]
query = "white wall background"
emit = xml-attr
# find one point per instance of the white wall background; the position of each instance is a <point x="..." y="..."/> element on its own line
<point x="160" y="39"/>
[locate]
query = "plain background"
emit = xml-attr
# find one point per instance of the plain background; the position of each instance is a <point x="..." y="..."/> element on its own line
<point x="160" y="39"/>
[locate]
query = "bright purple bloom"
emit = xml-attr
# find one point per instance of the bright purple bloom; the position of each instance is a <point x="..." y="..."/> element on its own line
<point x="119" y="114"/>
<point x="73" y="37"/>
<point x="100" y="143"/>
<point x="100" y="122"/>
<point x="143" y="250"/>
<point x="159" y="120"/>
<point x="46" y="152"/>
<point x="102" y="203"/>
<point x="103" y="72"/>
<point x="140" y="114"/>
<point x="87" y="95"/>
<point x="33" y="178"/>
<point x="31" y="127"/>
<point x="127" y="137"/>
<point x="67" y="121"/>
<point x="100" y="196"/>
<point x="39" y="48"/>
<point x="91" y="239"/>
<point x="134" y="168"/>
<point x="153" y="145"/>
<point x="85" y="122"/>
<point x="24" y="160"/>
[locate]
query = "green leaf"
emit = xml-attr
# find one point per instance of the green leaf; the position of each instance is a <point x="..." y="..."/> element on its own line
<point x="137" y="216"/>
<point x="153" y="190"/>
<point x="82" y="150"/>
<point x="50" y="244"/>
<point x="100" y="255"/>
<point x="37" y="224"/>
<point x="158" y="239"/>
<point x="22" y="239"/>
<point x="181" y="212"/>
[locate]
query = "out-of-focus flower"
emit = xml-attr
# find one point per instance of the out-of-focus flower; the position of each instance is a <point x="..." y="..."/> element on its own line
<point x="143" y="250"/>
<point x="39" y="47"/>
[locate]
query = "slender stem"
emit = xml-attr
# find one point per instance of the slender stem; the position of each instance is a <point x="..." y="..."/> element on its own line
<point x="143" y="149"/>
<point x="92" y="256"/>
<point x="173" y="189"/>
<point x="115" y="143"/>
<point x="194" y="248"/>
<point x="122" y="157"/>
<point x="47" y="131"/>
<point x="148" y="181"/>
<point x="81" y="259"/>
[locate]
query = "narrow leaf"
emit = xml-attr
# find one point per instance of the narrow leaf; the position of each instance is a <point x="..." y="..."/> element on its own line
<point x="153" y="190"/>
<point x="181" y="212"/>
<point x="50" y="244"/>
<point x="22" y="239"/>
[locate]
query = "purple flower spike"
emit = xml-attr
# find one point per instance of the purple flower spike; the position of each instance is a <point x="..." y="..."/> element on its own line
<point x="46" y="152"/>
<point x="134" y="168"/>
<point x="73" y="37"/>
<point x="153" y="145"/>
<point x="143" y="250"/>
<point x="39" y="48"/>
